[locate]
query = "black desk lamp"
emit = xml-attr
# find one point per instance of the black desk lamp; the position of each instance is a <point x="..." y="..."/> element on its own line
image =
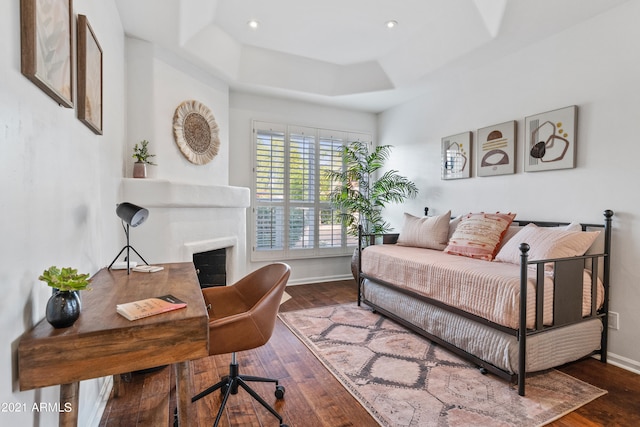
<point x="133" y="216"/>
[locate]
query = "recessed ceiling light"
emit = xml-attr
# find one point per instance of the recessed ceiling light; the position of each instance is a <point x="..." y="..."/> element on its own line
<point x="391" y="24"/>
<point x="253" y="24"/>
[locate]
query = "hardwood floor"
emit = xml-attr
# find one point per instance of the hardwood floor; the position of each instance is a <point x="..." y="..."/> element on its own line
<point x="313" y="396"/>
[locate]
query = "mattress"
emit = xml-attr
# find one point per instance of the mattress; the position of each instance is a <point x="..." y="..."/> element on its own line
<point x="490" y="290"/>
<point x="552" y="348"/>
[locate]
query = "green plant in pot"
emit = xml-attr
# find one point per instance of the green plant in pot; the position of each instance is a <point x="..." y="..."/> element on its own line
<point x="362" y="190"/>
<point x="63" y="308"/>
<point x="142" y="156"/>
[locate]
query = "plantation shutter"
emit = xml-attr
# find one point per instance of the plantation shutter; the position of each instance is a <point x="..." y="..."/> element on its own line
<point x="270" y="188"/>
<point x="292" y="214"/>
<point x="302" y="188"/>
<point x="330" y="232"/>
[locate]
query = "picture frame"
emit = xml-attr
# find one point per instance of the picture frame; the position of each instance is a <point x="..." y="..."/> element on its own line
<point x="46" y="46"/>
<point x="496" y="149"/>
<point x="456" y="156"/>
<point x="89" y="77"/>
<point x="550" y="140"/>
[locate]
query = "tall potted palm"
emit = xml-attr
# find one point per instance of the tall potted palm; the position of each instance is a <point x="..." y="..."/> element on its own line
<point x="360" y="192"/>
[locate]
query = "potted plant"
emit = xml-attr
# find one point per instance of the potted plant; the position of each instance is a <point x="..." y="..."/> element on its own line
<point x="361" y="192"/>
<point x="63" y="308"/>
<point x="142" y="155"/>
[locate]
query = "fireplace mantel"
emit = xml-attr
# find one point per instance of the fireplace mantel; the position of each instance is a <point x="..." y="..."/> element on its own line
<point x="170" y="194"/>
<point x="188" y="218"/>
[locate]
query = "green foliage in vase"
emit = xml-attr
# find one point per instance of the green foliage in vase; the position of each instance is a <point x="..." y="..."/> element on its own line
<point x="141" y="153"/>
<point x="65" y="279"/>
<point x="359" y="196"/>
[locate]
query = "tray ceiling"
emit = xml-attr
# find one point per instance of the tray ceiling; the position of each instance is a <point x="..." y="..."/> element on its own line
<point x="340" y="51"/>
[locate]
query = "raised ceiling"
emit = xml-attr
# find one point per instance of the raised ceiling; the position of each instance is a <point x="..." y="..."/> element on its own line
<point x="340" y="52"/>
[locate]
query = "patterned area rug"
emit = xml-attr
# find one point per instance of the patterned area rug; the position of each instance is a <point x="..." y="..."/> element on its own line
<point x="403" y="379"/>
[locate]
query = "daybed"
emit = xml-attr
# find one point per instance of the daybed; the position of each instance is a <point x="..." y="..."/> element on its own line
<point x="474" y="286"/>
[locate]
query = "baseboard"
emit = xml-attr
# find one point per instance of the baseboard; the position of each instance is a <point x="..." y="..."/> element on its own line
<point x="101" y="403"/>
<point x="623" y="362"/>
<point x="310" y="280"/>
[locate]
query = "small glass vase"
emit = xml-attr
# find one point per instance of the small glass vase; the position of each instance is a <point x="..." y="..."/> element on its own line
<point x="63" y="309"/>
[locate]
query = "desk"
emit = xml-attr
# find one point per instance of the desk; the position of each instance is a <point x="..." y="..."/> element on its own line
<point x="103" y="343"/>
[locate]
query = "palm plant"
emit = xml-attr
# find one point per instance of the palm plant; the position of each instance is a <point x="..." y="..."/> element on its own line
<point x="360" y="197"/>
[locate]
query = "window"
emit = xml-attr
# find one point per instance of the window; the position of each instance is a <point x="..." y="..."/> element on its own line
<point x="292" y="216"/>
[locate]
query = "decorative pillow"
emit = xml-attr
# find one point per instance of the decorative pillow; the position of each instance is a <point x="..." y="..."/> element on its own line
<point x="514" y="229"/>
<point x="429" y="232"/>
<point x="574" y="226"/>
<point x="547" y="243"/>
<point x="453" y="224"/>
<point x="508" y="235"/>
<point x="479" y="234"/>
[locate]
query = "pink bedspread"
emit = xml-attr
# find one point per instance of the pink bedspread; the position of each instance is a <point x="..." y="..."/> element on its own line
<point x="487" y="289"/>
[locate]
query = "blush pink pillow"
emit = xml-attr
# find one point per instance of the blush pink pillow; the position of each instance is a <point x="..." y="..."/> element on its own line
<point x="479" y="235"/>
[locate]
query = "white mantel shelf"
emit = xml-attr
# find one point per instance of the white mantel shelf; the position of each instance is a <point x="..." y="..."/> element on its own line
<point x="169" y="194"/>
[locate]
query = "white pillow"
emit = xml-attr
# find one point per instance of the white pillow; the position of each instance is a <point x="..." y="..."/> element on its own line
<point x="453" y="224"/>
<point x="431" y="232"/>
<point x="574" y="226"/>
<point x="513" y="230"/>
<point x="547" y="243"/>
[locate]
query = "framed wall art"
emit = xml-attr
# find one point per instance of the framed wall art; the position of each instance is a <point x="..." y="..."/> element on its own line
<point x="550" y="140"/>
<point x="496" y="149"/>
<point x="89" y="77"/>
<point x="46" y="46"/>
<point x="456" y="156"/>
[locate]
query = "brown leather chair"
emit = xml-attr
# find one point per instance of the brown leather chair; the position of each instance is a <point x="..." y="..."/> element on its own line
<point x="241" y="317"/>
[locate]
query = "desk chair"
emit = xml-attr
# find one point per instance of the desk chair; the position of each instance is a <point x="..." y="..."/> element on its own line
<point x="241" y="317"/>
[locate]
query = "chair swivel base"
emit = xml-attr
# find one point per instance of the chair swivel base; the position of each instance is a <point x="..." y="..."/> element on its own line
<point x="229" y="385"/>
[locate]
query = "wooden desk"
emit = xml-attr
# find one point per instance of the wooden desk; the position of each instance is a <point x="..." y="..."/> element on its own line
<point x="103" y="343"/>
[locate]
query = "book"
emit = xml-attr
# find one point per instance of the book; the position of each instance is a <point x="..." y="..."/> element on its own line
<point x="149" y="307"/>
<point x="147" y="268"/>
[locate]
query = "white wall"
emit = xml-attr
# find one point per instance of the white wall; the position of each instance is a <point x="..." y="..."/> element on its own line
<point x="59" y="183"/>
<point x="245" y="108"/>
<point x="157" y="83"/>
<point x="592" y="66"/>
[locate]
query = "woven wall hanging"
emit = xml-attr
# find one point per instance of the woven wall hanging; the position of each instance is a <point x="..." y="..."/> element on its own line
<point x="196" y="132"/>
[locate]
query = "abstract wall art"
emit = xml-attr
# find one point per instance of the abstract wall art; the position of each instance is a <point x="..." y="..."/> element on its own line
<point x="456" y="156"/>
<point x="550" y="140"/>
<point x="496" y="149"/>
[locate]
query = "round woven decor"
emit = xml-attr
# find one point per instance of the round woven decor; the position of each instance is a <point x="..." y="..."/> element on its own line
<point x="196" y="132"/>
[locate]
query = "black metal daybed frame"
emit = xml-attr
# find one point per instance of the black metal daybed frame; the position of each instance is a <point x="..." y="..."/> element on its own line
<point x="569" y="271"/>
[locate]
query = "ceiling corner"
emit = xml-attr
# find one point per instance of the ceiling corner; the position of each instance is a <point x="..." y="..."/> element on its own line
<point x="194" y="16"/>
<point x="492" y="12"/>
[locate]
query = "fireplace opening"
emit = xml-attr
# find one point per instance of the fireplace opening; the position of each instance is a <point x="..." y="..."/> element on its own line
<point x="211" y="267"/>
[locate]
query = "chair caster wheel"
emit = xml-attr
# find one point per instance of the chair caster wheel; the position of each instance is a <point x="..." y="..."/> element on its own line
<point x="484" y="371"/>
<point x="279" y="392"/>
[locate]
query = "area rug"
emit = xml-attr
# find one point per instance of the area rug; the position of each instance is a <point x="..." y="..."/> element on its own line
<point x="403" y="379"/>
